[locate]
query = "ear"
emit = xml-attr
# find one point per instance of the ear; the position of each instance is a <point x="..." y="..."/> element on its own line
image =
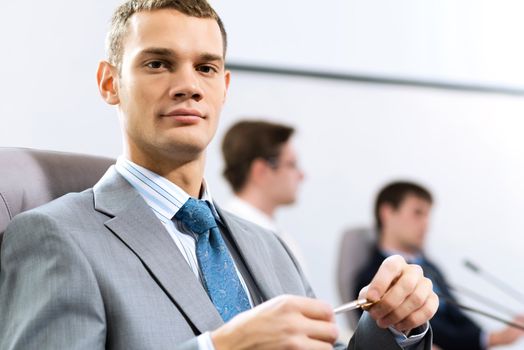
<point x="107" y="79"/>
<point x="227" y="79"/>
<point x="385" y="211"/>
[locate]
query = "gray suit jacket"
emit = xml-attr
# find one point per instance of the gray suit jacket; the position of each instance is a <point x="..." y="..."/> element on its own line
<point x="97" y="270"/>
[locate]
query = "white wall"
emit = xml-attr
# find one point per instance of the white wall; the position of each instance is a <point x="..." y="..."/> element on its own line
<point x="48" y="95"/>
<point x="352" y="138"/>
<point x="467" y="148"/>
<point x="467" y="40"/>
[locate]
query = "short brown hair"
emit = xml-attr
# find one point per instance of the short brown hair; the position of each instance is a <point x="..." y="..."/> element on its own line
<point x="249" y="140"/>
<point x="193" y="8"/>
<point x="395" y="193"/>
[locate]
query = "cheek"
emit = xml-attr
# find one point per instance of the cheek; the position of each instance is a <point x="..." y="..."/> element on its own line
<point x="292" y="183"/>
<point x="132" y="124"/>
<point x="142" y="90"/>
<point x="402" y="228"/>
<point x="127" y="95"/>
<point x="279" y="185"/>
<point x="294" y="180"/>
<point x="216" y="93"/>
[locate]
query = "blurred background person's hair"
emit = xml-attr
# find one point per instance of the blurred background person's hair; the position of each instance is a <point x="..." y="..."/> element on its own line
<point x="394" y="194"/>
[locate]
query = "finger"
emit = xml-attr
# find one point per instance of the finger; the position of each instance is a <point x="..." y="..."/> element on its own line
<point x="363" y="292"/>
<point x="307" y="343"/>
<point x="421" y="316"/>
<point x="363" y="295"/>
<point x="318" y="345"/>
<point x="414" y="302"/>
<point x="390" y="269"/>
<point x="309" y="307"/>
<point x="405" y="285"/>
<point x="320" y="330"/>
<point x="317" y="310"/>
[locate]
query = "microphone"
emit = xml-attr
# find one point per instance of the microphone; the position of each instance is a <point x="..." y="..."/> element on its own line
<point x="494" y="280"/>
<point x="471" y="266"/>
<point x="480" y="312"/>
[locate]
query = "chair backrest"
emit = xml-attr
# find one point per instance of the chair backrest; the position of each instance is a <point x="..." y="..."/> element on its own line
<point x="29" y="178"/>
<point x="354" y="254"/>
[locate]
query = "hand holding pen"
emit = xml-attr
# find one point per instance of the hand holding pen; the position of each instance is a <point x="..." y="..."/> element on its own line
<point x="399" y="296"/>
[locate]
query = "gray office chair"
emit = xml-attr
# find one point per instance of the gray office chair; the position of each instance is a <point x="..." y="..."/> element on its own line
<point x="29" y="178"/>
<point x="354" y="253"/>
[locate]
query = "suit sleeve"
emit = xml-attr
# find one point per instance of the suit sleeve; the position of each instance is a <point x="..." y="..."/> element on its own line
<point x="49" y="297"/>
<point x="369" y="336"/>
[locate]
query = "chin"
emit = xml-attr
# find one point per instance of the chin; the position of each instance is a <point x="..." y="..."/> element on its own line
<point x="187" y="142"/>
<point x="181" y="151"/>
<point x="288" y="201"/>
<point x="418" y="247"/>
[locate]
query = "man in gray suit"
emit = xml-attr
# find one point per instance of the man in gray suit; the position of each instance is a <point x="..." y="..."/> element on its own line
<point x="145" y="259"/>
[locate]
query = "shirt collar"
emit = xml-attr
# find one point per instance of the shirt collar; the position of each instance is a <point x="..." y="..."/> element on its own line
<point x="411" y="258"/>
<point x="164" y="197"/>
<point x="248" y="211"/>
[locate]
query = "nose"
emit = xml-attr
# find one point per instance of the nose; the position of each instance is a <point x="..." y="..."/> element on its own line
<point x="186" y="85"/>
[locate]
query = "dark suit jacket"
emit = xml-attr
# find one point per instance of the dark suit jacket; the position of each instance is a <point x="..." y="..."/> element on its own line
<point x="452" y="329"/>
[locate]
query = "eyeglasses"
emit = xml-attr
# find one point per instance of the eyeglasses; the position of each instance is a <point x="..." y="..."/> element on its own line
<point x="274" y="163"/>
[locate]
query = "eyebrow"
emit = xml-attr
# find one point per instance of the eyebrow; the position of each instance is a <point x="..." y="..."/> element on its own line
<point x="208" y="57"/>
<point x="160" y="51"/>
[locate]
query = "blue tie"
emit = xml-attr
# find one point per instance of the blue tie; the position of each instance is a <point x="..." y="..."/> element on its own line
<point x="216" y="265"/>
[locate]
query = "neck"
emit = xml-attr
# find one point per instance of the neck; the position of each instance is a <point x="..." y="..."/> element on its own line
<point x="257" y="199"/>
<point x="185" y="173"/>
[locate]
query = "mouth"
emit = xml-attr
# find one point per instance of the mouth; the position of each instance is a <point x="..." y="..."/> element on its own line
<point x="185" y="115"/>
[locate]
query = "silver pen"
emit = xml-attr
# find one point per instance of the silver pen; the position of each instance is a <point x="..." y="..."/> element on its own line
<point x="352" y="305"/>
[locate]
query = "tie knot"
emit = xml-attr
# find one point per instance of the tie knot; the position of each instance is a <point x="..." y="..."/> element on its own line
<point x="196" y="215"/>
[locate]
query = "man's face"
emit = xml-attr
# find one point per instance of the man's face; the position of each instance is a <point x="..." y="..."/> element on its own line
<point x="285" y="176"/>
<point x="408" y="223"/>
<point x="172" y="85"/>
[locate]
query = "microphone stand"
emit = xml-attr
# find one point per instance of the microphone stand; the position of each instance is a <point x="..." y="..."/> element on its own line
<point x="480" y="312"/>
<point x="506" y="288"/>
<point x="488" y="302"/>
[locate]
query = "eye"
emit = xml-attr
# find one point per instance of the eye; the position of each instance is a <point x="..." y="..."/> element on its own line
<point x="208" y="69"/>
<point x="157" y="65"/>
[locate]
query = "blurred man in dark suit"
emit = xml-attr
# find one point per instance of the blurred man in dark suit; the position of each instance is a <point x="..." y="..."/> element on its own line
<point x="402" y="213"/>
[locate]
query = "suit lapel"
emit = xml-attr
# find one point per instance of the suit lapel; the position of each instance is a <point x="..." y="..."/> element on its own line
<point x="140" y="230"/>
<point x="255" y="256"/>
